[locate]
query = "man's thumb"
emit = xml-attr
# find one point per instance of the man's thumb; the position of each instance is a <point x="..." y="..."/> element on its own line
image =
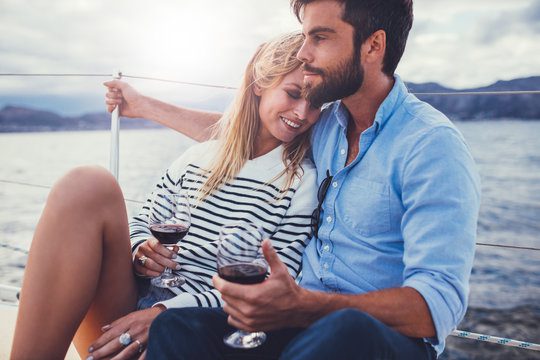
<point x="271" y="256"/>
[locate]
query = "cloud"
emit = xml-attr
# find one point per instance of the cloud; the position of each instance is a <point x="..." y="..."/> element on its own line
<point x="464" y="44"/>
<point x="211" y="42"/>
<point x="519" y="21"/>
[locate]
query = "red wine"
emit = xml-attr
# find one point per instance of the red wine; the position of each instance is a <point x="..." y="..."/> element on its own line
<point x="243" y="273"/>
<point x="168" y="233"/>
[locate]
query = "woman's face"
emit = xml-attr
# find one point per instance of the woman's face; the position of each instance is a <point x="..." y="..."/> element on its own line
<point x="284" y="113"/>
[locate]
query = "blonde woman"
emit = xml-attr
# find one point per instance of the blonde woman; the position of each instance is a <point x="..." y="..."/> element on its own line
<point x="79" y="282"/>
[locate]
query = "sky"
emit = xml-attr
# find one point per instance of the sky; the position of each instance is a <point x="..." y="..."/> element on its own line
<point x="457" y="43"/>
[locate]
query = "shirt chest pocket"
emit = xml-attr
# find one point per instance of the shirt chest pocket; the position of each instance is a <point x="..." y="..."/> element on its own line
<point x="364" y="206"/>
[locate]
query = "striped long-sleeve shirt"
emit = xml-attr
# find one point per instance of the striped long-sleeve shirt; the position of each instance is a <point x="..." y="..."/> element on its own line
<point x="249" y="197"/>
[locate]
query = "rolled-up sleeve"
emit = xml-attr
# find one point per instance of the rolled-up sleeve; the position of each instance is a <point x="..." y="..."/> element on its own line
<point x="441" y="197"/>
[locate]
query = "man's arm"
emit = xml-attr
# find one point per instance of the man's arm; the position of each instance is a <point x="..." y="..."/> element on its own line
<point x="279" y="302"/>
<point x="195" y="124"/>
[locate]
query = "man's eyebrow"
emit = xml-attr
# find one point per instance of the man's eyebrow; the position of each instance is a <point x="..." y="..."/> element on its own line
<point x="320" y="29"/>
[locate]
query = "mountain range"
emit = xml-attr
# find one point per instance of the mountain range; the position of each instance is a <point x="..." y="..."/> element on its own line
<point x="456" y="107"/>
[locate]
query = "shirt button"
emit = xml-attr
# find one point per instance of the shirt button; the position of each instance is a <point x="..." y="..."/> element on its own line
<point x="325" y="265"/>
<point x="334" y="184"/>
<point x="329" y="219"/>
<point x="342" y="151"/>
<point x="326" y="248"/>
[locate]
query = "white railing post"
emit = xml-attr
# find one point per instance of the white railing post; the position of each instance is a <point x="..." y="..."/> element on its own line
<point x="115" y="138"/>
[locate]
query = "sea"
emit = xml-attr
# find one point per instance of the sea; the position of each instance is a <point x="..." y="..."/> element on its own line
<point x="505" y="282"/>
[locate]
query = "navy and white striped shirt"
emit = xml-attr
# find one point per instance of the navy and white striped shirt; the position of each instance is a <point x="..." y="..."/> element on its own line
<point x="249" y="197"/>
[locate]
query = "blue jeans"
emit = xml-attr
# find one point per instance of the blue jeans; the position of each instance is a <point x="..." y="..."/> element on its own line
<point x="197" y="333"/>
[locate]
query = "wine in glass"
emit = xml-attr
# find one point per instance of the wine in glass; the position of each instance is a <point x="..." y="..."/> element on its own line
<point x="240" y="260"/>
<point x="169" y="221"/>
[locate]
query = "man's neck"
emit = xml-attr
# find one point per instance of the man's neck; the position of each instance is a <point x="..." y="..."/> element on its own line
<point x="364" y="103"/>
<point x="363" y="106"/>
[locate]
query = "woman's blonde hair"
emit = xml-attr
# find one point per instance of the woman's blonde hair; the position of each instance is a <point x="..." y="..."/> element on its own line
<point x="238" y="128"/>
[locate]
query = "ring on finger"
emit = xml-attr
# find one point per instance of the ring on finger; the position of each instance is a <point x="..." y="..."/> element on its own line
<point x="142" y="260"/>
<point x="141" y="346"/>
<point x="125" y="339"/>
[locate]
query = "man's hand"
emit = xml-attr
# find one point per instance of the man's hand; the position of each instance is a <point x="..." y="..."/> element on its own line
<point x="278" y="303"/>
<point x="270" y="305"/>
<point x="131" y="102"/>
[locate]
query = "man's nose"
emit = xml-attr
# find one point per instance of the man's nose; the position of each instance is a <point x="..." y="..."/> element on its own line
<point x="304" y="54"/>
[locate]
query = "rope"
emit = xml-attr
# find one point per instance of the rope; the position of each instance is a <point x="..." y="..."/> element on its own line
<point x="142" y="202"/>
<point x="49" y="187"/>
<point x="180" y="82"/>
<point x="450" y="93"/>
<point x="14" y="248"/>
<point x="56" y="75"/>
<point x="496" y="340"/>
<point x="509" y="246"/>
<point x="126" y="76"/>
<point x="507" y="92"/>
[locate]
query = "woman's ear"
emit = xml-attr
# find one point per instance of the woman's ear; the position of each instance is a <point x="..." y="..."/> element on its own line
<point x="257" y="90"/>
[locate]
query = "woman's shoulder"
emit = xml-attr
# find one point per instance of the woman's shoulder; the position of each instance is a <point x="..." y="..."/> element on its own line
<point x="199" y="155"/>
<point x="206" y="148"/>
<point x="308" y="165"/>
<point x="308" y="179"/>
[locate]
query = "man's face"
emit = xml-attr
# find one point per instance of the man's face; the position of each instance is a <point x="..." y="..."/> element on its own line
<point x="332" y="68"/>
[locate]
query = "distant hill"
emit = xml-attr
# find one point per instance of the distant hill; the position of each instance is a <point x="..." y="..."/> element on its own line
<point x="485" y="107"/>
<point x="19" y="119"/>
<point x="462" y="107"/>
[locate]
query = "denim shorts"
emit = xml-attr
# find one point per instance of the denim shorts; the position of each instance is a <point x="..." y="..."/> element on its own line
<point x="152" y="295"/>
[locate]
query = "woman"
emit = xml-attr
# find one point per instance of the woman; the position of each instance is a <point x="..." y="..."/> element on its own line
<point x="79" y="282"/>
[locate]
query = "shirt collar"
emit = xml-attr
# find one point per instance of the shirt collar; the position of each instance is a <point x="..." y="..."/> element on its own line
<point x="394" y="98"/>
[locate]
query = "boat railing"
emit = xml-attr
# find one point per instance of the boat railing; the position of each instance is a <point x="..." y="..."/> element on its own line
<point x="114" y="164"/>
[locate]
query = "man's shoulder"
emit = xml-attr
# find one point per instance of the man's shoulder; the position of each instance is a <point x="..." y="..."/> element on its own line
<point x="423" y="112"/>
<point x="419" y="118"/>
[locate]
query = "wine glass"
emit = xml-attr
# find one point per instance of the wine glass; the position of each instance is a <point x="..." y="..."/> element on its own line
<point x="240" y="260"/>
<point x="169" y="221"/>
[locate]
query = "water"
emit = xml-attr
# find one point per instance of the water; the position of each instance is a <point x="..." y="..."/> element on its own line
<point x="505" y="285"/>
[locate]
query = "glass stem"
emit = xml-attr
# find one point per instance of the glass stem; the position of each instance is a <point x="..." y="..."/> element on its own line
<point x="167" y="272"/>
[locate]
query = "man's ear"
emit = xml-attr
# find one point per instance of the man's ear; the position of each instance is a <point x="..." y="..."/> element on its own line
<point x="375" y="46"/>
<point x="257" y="89"/>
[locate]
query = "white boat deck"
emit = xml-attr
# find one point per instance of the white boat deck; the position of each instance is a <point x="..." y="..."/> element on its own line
<point x="8" y="316"/>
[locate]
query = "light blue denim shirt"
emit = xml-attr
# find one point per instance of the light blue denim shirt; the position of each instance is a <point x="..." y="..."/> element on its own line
<point x="403" y="213"/>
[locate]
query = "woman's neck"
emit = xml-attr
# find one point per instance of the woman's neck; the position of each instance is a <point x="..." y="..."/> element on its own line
<point x="264" y="146"/>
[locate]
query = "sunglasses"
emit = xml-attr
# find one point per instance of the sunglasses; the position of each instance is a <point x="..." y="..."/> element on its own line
<point x="321" y="194"/>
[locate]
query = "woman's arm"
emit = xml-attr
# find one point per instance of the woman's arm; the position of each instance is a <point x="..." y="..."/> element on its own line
<point x="195" y="124"/>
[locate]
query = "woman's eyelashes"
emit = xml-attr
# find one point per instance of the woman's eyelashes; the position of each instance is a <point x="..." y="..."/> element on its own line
<point x="294" y="94"/>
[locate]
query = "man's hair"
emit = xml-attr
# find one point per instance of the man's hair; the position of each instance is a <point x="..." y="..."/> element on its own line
<point x="395" y="17"/>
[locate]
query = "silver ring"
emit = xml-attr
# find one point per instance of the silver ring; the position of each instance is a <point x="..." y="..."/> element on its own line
<point x="125" y="339"/>
<point x="141" y="347"/>
<point x="142" y="260"/>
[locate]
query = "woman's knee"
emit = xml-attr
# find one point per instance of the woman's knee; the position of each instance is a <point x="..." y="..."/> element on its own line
<point x="85" y="185"/>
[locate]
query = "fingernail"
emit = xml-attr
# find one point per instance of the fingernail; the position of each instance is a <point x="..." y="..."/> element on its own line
<point x="177" y="267"/>
<point x="90" y="358"/>
<point x="174" y="256"/>
<point x="105" y="327"/>
<point x="91" y="349"/>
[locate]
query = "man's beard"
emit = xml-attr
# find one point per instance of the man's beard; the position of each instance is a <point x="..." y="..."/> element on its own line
<point x="336" y="83"/>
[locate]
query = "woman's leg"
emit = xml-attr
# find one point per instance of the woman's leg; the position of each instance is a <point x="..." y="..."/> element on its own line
<point x="79" y="267"/>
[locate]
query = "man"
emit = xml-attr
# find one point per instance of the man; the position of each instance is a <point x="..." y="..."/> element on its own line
<point x="386" y="272"/>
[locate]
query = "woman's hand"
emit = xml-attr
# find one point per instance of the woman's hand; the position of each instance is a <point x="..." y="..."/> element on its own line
<point x="152" y="257"/>
<point x="131" y="102"/>
<point x="136" y="324"/>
